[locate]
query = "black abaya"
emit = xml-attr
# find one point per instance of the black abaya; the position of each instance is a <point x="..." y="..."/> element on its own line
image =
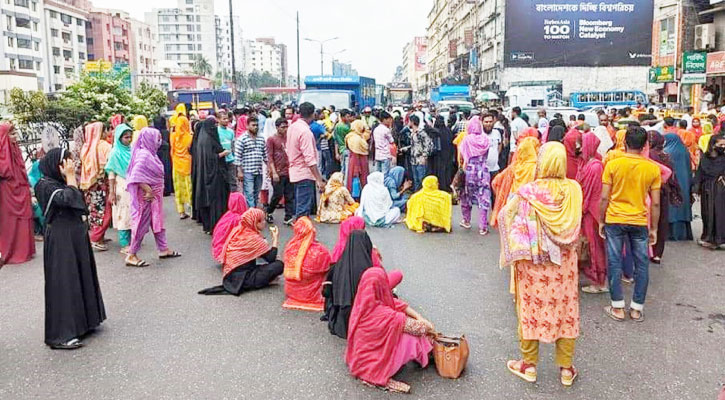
<point x="73" y="301"/>
<point x="164" y="154"/>
<point x="710" y="184"/>
<point x="211" y="189"/>
<point x="345" y="276"/>
<point x="442" y="163"/>
<point x="249" y="276"/>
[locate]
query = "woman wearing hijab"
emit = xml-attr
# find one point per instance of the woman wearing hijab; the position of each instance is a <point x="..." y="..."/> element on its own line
<point x="145" y="184"/>
<point x="442" y="162"/>
<point x="474" y="150"/>
<point x="680" y="217"/>
<point x="16" y="215"/>
<point x="138" y="123"/>
<point x="521" y="171"/>
<point x="211" y="190"/>
<point x="376" y="205"/>
<point x="357" y="167"/>
<point x="709" y="183"/>
<point x="94" y="183"/>
<point x="401" y="136"/>
<point x="397" y="187"/>
<point x="73" y="301"/>
<point x="590" y="179"/>
<point x="306" y="263"/>
<point x="243" y="247"/>
<point x="236" y="207"/>
<point x="165" y="153"/>
<point x="343" y="281"/>
<point x="180" y="142"/>
<point x="384" y="334"/>
<point x="116" y="169"/>
<point x="556" y="133"/>
<point x="669" y="193"/>
<point x="572" y="142"/>
<point x="336" y="203"/>
<point x="539" y="230"/>
<point x="429" y="209"/>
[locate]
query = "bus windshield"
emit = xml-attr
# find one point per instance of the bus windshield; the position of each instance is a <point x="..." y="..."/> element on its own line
<point x="610" y="98"/>
<point x="326" y="98"/>
<point x="400" y="97"/>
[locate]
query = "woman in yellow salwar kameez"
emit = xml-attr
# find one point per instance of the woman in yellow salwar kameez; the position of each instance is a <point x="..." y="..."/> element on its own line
<point x="429" y="209"/>
<point x="180" y="141"/>
<point x="539" y="229"/>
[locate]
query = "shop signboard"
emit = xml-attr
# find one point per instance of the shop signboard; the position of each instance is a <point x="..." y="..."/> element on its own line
<point x="694" y="62"/>
<point x="662" y="74"/>
<point x="692" y="79"/>
<point x="716" y="63"/>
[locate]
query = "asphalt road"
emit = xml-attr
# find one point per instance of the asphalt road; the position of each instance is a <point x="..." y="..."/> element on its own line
<point x="163" y="341"/>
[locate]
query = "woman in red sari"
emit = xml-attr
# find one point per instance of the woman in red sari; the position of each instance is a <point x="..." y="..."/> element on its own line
<point x="590" y="179"/>
<point x="16" y="214"/>
<point x="572" y="142"/>
<point x="384" y="334"/>
<point x="306" y="262"/>
<point x="236" y="207"/>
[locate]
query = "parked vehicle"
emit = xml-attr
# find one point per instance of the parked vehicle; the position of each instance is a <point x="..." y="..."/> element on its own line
<point x="353" y="92"/>
<point x="450" y="92"/>
<point x="613" y="98"/>
<point x="203" y="101"/>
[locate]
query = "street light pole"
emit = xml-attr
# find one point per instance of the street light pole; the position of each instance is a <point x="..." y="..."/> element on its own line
<point x="234" y="65"/>
<point x="322" y="43"/>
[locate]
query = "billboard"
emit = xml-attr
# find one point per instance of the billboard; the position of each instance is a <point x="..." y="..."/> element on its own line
<point x="421" y="47"/>
<point x="555" y="33"/>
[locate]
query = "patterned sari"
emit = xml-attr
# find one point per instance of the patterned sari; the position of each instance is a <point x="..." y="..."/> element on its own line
<point x="306" y="262"/>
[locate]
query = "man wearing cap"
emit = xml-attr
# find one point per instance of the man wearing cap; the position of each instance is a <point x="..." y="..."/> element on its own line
<point x="368" y="118"/>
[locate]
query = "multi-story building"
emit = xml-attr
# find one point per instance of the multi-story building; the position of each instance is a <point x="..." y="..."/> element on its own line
<point x="144" y="64"/>
<point x="414" y="69"/>
<point x="264" y="55"/>
<point x="186" y="33"/>
<point x="65" y="38"/>
<point x="22" y="47"/>
<point x="224" y="46"/>
<point x="109" y="36"/>
<point x="438" y="43"/>
<point x="343" y="69"/>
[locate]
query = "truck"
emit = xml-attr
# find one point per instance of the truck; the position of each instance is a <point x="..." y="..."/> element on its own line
<point x="351" y="92"/>
<point x="203" y="101"/>
<point x="450" y="92"/>
<point x="399" y="94"/>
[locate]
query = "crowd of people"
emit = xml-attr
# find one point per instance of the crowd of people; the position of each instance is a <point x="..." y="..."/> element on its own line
<point x="564" y="196"/>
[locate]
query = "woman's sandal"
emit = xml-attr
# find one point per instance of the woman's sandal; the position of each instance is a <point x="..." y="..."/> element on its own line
<point x="465" y="225"/>
<point x="183" y="216"/>
<point x="609" y="310"/>
<point x="567" y="379"/>
<point x="524" y="371"/>
<point x="392" y="386"/>
<point x="99" y="247"/>
<point x="482" y="232"/>
<point x="173" y="254"/>
<point x="592" y="289"/>
<point x="138" y="264"/>
<point x="638" y="319"/>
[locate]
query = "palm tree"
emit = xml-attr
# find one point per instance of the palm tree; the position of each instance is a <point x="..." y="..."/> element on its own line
<point x="201" y="66"/>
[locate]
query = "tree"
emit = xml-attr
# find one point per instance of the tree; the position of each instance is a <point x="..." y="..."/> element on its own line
<point x="27" y="107"/>
<point x="149" y="100"/>
<point x="201" y="66"/>
<point x="257" y="80"/>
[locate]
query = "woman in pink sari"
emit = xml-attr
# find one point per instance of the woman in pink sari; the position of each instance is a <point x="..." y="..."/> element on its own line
<point x="145" y="184"/>
<point x="590" y="179"/>
<point x="236" y="206"/>
<point x="384" y="334"/>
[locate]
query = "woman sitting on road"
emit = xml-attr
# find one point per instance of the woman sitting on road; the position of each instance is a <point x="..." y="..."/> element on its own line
<point x="237" y="206"/>
<point x="243" y="247"/>
<point x="306" y="264"/>
<point x="336" y="204"/>
<point x="384" y="334"/>
<point x="376" y="206"/>
<point x="397" y="187"/>
<point x="429" y="209"/>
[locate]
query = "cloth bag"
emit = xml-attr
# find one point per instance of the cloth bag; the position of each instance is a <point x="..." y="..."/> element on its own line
<point x="450" y="354"/>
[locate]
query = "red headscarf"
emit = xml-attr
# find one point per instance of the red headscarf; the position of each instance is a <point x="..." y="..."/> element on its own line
<point x="572" y="161"/>
<point x="528" y="132"/>
<point x="589" y="175"/>
<point x="306" y="263"/>
<point x="244" y="243"/>
<point x="374" y="329"/>
<point x="236" y="206"/>
<point x="14" y="185"/>
<point x="346" y="227"/>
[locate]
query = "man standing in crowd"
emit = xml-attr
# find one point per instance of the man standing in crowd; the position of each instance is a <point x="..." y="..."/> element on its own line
<point x="226" y="138"/>
<point x="250" y="152"/>
<point x="383" y="138"/>
<point x="495" y="145"/>
<point x="302" y="155"/>
<point x="341" y="130"/>
<point x="627" y="182"/>
<point x="368" y="118"/>
<point x="279" y="172"/>
<point x="517" y="126"/>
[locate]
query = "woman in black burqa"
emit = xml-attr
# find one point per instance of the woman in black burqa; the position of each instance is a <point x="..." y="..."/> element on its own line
<point x="73" y="301"/>
<point x="164" y="154"/>
<point x="709" y="183"/>
<point x="210" y="187"/>
<point x="341" y="286"/>
<point x="442" y="162"/>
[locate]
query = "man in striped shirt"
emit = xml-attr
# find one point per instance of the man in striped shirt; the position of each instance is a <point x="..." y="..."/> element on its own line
<point x="250" y="153"/>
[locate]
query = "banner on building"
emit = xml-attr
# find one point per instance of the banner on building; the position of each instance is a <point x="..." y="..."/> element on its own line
<point x="554" y="33"/>
<point x="468" y="37"/>
<point x="452" y="48"/>
<point x="715" y="63"/>
<point x="692" y="79"/>
<point x="662" y="74"/>
<point x="421" y="53"/>
<point x="97" y="66"/>
<point x="694" y="62"/>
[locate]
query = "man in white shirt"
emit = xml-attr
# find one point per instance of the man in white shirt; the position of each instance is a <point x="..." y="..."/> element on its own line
<point x="517" y="126"/>
<point x="495" y="143"/>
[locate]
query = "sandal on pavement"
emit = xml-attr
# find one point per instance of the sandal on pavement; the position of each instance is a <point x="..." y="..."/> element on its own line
<point x="139" y="264"/>
<point x="628" y="281"/>
<point x="69" y="345"/>
<point x="609" y="310"/>
<point x="568" y="375"/>
<point x="99" y="247"/>
<point x="524" y="371"/>
<point x="465" y="225"/>
<point x="482" y="232"/>
<point x="184" y="216"/>
<point x="638" y="319"/>
<point x="592" y="289"/>
<point x="173" y="254"/>
<point x="392" y="386"/>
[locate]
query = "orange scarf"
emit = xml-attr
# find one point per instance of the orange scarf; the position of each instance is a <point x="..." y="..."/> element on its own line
<point x="296" y="249"/>
<point x="94" y="155"/>
<point x="244" y="243"/>
<point x="180" y="141"/>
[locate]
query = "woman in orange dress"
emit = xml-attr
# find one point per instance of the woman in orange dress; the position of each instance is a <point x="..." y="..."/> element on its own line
<point x="540" y="226"/>
<point x="306" y="264"/>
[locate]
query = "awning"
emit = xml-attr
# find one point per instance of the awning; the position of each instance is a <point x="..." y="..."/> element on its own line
<point x="487" y="96"/>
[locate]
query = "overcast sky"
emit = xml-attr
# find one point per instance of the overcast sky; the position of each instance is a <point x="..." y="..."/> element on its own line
<point x="372" y="32"/>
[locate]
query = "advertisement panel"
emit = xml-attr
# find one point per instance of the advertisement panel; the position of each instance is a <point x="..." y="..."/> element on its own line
<point x="421" y="49"/>
<point x="716" y="62"/>
<point x="554" y="33"/>
<point x="662" y="74"/>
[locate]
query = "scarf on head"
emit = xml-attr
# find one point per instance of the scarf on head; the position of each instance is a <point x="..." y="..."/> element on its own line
<point x="395" y="178"/>
<point x="713" y="167"/>
<point x="590" y="174"/>
<point x="429" y="205"/>
<point x="139" y="122"/>
<point x="120" y="154"/>
<point x="355" y="140"/>
<point x="525" y="163"/>
<point x="94" y="154"/>
<point x="180" y="140"/>
<point x="145" y="165"/>
<point x="475" y="143"/>
<point x="16" y="196"/>
<point x="334" y="184"/>
<point x="375" y="201"/>
<point x="556" y="134"/>
<point x="236" y="207"/>
<point x="543" y="215"/>
<point x="296" y="249"/>
<point x="346" y="227"/>
<point x="245" y="243"/>
<point x="572" y="161"/>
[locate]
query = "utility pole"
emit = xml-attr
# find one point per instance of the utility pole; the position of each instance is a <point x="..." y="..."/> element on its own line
<point x="321" y="64"/>
<point x="298" y="51"/>
<point x="234" y="66"/>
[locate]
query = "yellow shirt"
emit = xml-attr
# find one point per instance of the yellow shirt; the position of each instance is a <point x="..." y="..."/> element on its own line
<point x="631" y="177"/>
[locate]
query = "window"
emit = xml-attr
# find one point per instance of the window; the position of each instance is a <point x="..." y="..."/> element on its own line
<point x="189" y="1"/>
<point x="81" y="39"/>
<point x="22" y="22"/>
<point x="56" y="69"/>
<point x="198" y="47"/>
<point x="53" y="32"/>
<point x="35" y="8"/>
<point x="81" y="55"/>
<point x="91" y="56"/>
<point x="23" y="3"/>
<point x="53" y="14"/>
<point x="66" y="36"/>
<point x="198" y="18"/>
<point x="25" y="64"/>
<point x="37" y="63"/>
<point x="24" y="43"/>
<point x="10" y="42"/>
<point x="10" y="23"/>
<point x="67" y="54"/>
<point x="12" y="63"/>
<point x="36" y="46"/>
<point x="667" y="36"/>
<point x="66" y="19"/>
<point x="35" y="26"/>
<point x="58" y="87"/>
<point x="89" y="41"/>
<point x="117" y="30"/>
<point x="118" y="45"/>
<point x="56" y="51"/>
<point x="79" y="22"/>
